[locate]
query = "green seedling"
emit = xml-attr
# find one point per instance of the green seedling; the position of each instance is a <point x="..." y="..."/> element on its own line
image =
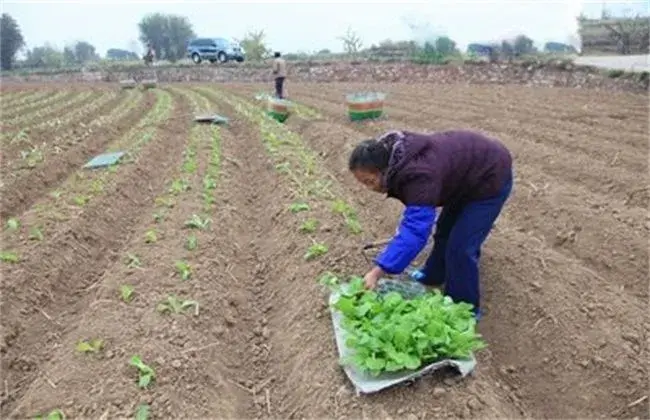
<point x="208" y="200"/>
<point x="126" y="293"/>
<point x="94" y="345"/>
<point x="132" y="261"/>
<point x="183" y="269"/>
<point x="353" y="225"/>
<point x="283" y="168"/>
<point x="9" y="257"/>
<point x="146" y="374"/>
<point x="309" y="226"/>
<point x="32" y="156"/>
<point x="178" y="186"/>
<point x="209" y="183"/>
<point x="189" y="165"/>
<point x="52" y="415"/>
<point x="320" y="188"/>
<point x="341" y="207"/>
<point x="97" y="186"/>
<point x="142" y="412"/>
<point x="175" y="305"/>
<point x="328" y="279"/>
<point x="80" y="200"/>
<point x="192" y="242"/>
<point x="12" y="224"/>
<point x="150" y="236"/>
<point x="35" y="233"/>
<point x="315" y="251"/>
<point x="56" y="194"/>
<point x="165" y="202"/>
<point x="159" y="216"/>
<point x="298" y="207"/>
<point x="196" y="222"/>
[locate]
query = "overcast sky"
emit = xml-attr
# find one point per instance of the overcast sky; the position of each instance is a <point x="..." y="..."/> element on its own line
<point x="308" y="25"/>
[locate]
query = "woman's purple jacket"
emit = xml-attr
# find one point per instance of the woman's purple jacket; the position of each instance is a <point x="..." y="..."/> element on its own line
<point x="426" y="171"/>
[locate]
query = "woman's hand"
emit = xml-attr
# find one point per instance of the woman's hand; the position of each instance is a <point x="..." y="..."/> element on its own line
<point x="372" y="277"/>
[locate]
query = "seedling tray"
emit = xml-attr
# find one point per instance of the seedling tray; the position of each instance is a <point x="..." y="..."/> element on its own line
<point x="211" y="119"/>
<point x="367" y="384"/>
<point x="105" y="159"/>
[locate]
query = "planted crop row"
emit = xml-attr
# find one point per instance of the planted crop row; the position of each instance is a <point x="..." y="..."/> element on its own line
<point x="73" y="113"/>
<point x="37" y="117"/>
<point x="28" y="97"/>
<point x="195" y="181"/>
<point x="200" y="104"/>
<point x="29" y="107"/>
<point x="84" y="185"/>
<point x="34" y="153"/>
<point x="294" y="160"/>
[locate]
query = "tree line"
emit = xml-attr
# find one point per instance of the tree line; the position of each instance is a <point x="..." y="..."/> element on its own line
<point x="168" y="34"/>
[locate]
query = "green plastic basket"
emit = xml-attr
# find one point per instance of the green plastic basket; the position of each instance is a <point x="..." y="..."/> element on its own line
<point x="365" y="105"/>
<point x="278" y="109"/>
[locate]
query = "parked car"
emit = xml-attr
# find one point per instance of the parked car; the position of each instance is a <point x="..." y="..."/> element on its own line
<point x="214" y="49"/>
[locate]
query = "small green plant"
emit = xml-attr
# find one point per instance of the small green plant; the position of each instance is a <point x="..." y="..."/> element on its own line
<point x="309" y="226"/>
<point x="56" y="194"/>
<point x="196" y="222"/>
<point x="298" y="207"/>
<point x="150" y="236"/>
<point x="178" y="186"/>
<point x="328" y="279"/>
<point x="146" y="374"/>
<point x="55" y="414"/>
<point x="9" y="257"/>
<point x="341" y="207"/>
<point x="192" y="242"/>
<point x="142" y="412"/>
<point x="189" y="164"/>
<point x="159" y="216"/>
<point x="12" y="224"/>
<point x="353" y="225"/>
<point x="126" y="293"/>
<point x="133" y="261"/>
<point x="175" y="305"/>
<point x="80" y="200"/>
<point x="316" y="250"/>
<point x="165" y="202"/>
<point x="183" y="269"/>
<point x="35" y="233"/>
<point x="97" y="186"/>
<point x="94" y="345"/>
<point x="209" y="183"/>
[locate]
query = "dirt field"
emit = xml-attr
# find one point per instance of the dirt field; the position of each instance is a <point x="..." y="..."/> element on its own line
<point x="197" y="217"/>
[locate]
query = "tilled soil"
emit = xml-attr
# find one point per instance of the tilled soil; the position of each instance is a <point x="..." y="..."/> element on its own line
<point x="565" y="272"/>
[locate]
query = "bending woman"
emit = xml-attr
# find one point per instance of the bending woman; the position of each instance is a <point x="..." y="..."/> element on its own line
<point x="466" y="173"/>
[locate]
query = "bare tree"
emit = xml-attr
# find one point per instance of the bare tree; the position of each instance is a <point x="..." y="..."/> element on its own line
<point x="351" y="42"/>
<point x="629" y="33"/>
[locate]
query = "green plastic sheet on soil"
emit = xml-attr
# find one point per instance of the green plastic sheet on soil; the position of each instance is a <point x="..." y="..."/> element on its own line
<point x="364" y="381"/>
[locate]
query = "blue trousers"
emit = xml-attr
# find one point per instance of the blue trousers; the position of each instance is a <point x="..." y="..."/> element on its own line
<point x="460" y="233"/>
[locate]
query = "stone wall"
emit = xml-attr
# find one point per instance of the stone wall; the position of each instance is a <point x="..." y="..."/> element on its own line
<point x="531" y="74"/>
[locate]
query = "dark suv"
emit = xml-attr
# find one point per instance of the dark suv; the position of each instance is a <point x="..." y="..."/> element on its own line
<point x="214" y="49"/>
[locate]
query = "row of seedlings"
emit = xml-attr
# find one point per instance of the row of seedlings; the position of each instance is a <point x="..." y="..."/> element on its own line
<point x="64" y="203"/>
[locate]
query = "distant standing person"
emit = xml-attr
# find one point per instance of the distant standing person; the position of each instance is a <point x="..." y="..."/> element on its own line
<point x="150" y="56"/>
<point x="280" y="73"/>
